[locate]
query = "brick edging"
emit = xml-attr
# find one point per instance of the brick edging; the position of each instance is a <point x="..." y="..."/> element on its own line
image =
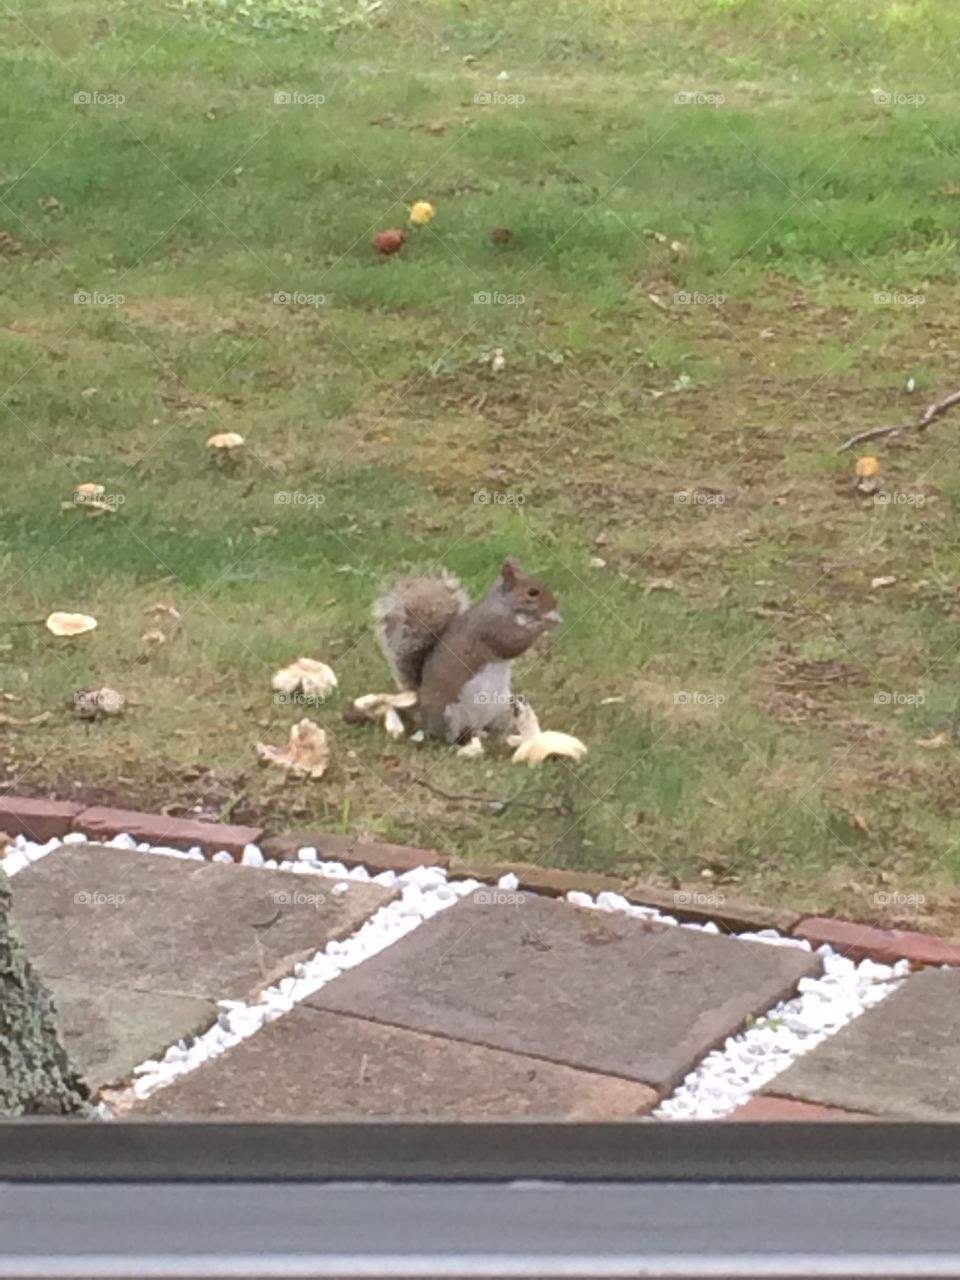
<point x="42" y="820"/>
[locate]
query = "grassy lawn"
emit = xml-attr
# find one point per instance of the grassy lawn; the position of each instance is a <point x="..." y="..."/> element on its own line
<point x="703" y="296"/>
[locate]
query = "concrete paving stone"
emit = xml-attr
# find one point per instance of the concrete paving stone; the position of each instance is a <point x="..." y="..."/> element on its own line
<point x="597" y="991"/>
<point x="311" y="1065"/>
<point x="899" y="1060"/>
<point x="166" y="925"/>
<point x="108" y="1030"/>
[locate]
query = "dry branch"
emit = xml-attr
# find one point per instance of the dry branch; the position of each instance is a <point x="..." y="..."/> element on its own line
<point x="931" y="413"/>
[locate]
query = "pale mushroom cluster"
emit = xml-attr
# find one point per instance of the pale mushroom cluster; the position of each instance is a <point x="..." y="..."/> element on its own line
<point x="307" y="676"/>
<point x="305" y="754"/>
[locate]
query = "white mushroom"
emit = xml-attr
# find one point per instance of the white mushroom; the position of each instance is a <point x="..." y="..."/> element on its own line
<point x="545" y="745"/>
<point x="387" y="707"/>
<point x="533" y="745"/>
<point x="225" y="440"/>
<point x="70" y="624"/>
<point x="162" y="611"/>
<point x="88" y="492"/>
<point x="315" y="679"/>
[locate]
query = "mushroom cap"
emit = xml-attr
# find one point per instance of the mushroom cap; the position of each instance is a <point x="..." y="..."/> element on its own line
<point x="535" y="750"/>
<point x="70" y="624"/>
<point x="421" y="212"/>
<point x="225" y="440"/>
<point x="312" y="677"/>
<point x="88" y="492"/>
<point x="867" y="467"/>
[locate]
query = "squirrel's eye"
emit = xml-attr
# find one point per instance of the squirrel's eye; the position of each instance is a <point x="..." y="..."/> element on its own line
<point x="533" y="592"/>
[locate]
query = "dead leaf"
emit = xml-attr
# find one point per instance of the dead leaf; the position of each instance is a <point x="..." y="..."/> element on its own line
<point x="860" y="822"/>
<point x="882" y="582"/>
<point x="49" y="202"/>
<point x="153" y="638"/>
<point x="661" y="584"/>
<point x="305" y="755"/>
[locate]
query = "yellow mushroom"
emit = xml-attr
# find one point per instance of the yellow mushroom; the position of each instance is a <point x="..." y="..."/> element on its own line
<point x="421" y="212"/>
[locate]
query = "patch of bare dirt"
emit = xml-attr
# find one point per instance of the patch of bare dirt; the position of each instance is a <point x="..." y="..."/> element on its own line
<point x="795" y="690"/>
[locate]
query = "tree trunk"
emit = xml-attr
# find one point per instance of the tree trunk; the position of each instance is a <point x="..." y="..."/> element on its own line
<point x="35" y="1074"/>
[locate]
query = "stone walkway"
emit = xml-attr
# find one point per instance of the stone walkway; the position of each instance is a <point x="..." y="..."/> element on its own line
<point x="138" y="949"/>
<point x="502" y="1005"/>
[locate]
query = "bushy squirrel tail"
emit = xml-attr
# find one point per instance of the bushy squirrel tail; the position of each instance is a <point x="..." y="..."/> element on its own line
<point x="410" y="618"/>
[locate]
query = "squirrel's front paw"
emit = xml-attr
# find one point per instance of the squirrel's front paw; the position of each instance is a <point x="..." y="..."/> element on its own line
<point x="473" y="748"/>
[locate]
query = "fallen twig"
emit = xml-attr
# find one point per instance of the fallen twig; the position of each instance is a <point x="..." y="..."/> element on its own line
<point x="489" y="802"/>
<point x="930" y="414"/>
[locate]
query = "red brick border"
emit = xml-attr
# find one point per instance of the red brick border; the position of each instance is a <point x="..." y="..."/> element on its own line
<point x="768" y="1107"/>
<point x="38" y="820"/>
<point x="730" y="914"/>
<point x="864" y="942"/>
<point x="42" y="820"/>
<point x="176" y="833"/>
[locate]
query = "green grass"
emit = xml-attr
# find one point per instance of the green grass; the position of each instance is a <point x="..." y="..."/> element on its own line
<point x="751" y="738"/>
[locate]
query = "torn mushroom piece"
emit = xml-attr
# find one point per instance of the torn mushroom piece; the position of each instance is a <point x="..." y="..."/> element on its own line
<point x="534" y="745"/>
<point x="385" y="707"/>
<point x="314" y="679"/>
<point x="306" y="754"/>
<point x="70" y="624"/>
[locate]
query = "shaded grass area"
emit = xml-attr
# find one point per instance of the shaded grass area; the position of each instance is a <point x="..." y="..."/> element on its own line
<point x="716" y="290"/>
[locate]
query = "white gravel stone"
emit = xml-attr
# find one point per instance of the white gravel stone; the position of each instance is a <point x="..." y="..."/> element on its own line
<point x="15" y="861"/>
<point x="75" y="837"/>
<point x="510" y="882"/>
<point x="577" y="898"/>
<point x="252" y="856"/>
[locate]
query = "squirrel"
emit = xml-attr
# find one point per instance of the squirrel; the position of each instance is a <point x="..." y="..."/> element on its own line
<point x="457" y="657"/>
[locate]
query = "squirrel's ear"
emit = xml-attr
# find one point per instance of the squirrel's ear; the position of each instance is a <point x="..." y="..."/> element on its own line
<point x="508" y="572"/>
